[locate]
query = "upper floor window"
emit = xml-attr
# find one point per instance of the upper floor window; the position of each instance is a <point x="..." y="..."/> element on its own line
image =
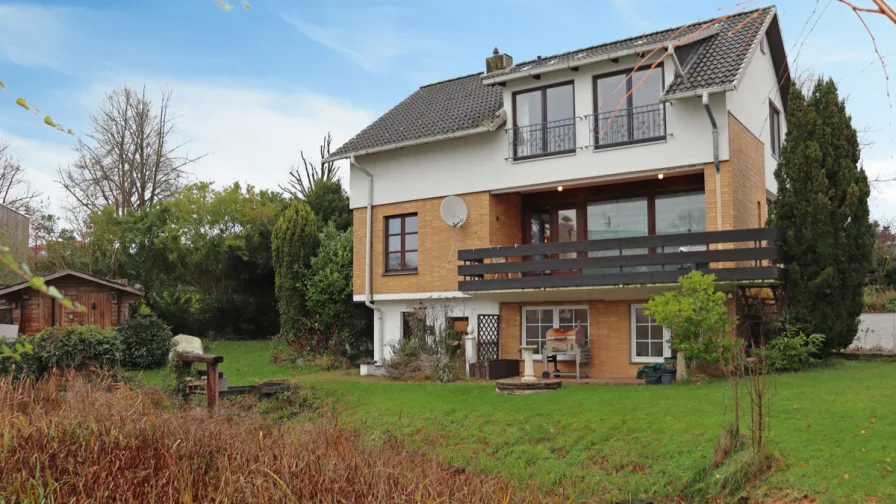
<point x="544" y="121"/>
<point x="627" y="108"/>
<point x="774" y="121"/>
<point x="401" y="243"/>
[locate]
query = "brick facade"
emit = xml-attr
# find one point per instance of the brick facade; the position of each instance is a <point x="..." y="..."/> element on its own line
<point x="748" y="194"/>
<point x="497" y="220"/>
<point x="491" y="220"/>
<point x="609" y="336"/>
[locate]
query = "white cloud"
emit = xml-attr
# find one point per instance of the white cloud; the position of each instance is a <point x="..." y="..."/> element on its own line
<point x="32" y="35"/>
<point x="250" y="134"/>
<point x="41" y="159"/>
<point x="371" y="37"/>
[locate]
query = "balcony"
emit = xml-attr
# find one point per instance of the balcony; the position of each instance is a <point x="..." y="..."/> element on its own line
<point x="743" y="255"/>
<point x="628" y="126"/>
<point x="543" y="139"/>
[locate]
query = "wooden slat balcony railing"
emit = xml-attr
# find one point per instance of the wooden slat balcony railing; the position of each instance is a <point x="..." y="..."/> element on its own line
<point x="738" y="255"/>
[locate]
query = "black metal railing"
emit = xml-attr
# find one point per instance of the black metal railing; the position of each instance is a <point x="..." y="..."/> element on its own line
<point x="733" y="256"/>
<point x="543" y="139"/>
<point x="628" y="125"/>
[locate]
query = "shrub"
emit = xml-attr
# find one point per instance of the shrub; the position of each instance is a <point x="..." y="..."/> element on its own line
<point x="430" y="352"/>
<point x="145" y="342"/>
<point x="696" y="315"/>
<point x="81" y="348"/>
<point x="793" y="350"/>
<point x="329" y="283"/>
<point x="878" y="299"/>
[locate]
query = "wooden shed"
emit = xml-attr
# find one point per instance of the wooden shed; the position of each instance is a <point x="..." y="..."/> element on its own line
<point x="107" y="302"/>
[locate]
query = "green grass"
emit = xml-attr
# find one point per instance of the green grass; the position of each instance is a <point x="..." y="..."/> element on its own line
<point x="617" y="442"/>
<point x="245" y="363"/>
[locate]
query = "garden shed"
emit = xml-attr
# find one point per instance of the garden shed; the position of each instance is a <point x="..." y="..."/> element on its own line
<point x="106" y="302"/>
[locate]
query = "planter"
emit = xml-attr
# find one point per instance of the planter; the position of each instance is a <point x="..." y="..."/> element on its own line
<point x="667" y="378"/>
<point x="652" y="379"/>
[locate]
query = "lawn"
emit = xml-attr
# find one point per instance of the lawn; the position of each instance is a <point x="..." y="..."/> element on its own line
<point x="245" y="363"/>
<point x="835" y="428"/>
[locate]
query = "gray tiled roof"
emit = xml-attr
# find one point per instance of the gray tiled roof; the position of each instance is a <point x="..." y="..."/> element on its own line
<point x="434" y="110"/>
<point x="464" y="103"/>
<point x="722" y="56"/>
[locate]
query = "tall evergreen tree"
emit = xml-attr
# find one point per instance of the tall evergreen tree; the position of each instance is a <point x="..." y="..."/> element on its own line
<point x="293" y="244"/>
<point x="822" y="208"/>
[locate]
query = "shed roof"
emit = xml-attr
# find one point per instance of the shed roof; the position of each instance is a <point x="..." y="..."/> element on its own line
<point x="79" y="274"/>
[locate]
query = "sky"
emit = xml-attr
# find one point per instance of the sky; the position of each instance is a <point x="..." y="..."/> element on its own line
<point x="253" y="88"/>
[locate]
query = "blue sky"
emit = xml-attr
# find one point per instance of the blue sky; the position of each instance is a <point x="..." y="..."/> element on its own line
<point x="254" y="87"/>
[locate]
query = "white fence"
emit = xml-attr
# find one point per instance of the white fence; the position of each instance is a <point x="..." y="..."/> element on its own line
<point x="876" y="330"/>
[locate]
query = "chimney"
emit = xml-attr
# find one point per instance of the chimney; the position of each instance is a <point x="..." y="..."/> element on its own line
<point x="498" y="61"/>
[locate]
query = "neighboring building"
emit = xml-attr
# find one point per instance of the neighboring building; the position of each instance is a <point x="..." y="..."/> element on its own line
<point x="14" y="233"/>
<point x="571" y="207"/>
<point x="106" y="302"/>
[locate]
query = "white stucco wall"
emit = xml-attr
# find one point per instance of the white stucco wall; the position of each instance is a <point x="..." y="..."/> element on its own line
<point x="876" y="330"/>
<point x="750" y="105"/>
<point x="477" y="163"/>
<point x="440" y="308"/>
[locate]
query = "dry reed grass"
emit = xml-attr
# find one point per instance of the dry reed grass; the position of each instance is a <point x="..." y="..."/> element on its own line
<point x="89" y="440"/>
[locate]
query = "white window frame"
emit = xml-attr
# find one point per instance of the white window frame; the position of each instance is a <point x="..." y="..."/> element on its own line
<point x="667" y="351"/>
<point x="556" y="321"/>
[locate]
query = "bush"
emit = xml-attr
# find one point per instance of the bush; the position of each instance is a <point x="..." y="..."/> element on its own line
<point x="145" y="342"/>
<point x="81" y="348"/>
<point x="879" y="300"/>
<point x="793" y="350"/>
<point x="431" y="352"/>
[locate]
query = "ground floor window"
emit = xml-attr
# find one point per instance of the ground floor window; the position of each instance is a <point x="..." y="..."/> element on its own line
<point x="537" y="321"/>
<point x="649" y="340"/>
<point x="457" y="325"/>
<point x="415" y="324"/>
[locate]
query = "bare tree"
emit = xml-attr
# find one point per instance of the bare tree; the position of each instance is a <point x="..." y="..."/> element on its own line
<point x="299" y="184"/>
<point x="129" y="160"/>
<point x="16" y="191"/>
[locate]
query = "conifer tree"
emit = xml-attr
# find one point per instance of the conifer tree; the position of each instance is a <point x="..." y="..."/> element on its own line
<point x="822" y="209"/>
<point x="293" y="243"/>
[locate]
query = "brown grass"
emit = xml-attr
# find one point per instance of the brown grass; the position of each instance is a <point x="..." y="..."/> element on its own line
<point x="78" y="440"/>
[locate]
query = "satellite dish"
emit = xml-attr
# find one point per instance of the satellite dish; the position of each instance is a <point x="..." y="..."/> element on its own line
<point x="454" y="211"/>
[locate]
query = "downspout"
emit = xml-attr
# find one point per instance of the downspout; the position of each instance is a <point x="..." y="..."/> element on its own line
<point x="715" y="160"/>
<point x="368" y="273"/>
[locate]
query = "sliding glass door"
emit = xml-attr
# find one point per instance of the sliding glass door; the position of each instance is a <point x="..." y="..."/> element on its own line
<point x="622" y="218"/>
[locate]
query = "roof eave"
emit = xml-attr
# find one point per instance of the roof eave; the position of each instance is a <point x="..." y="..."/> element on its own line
<point x="755" y="47"/>
<point x="109" y="283"/>
<point x="585" y="61"/>
<point x="698" y="92"/>
<point x="500" y="118"/>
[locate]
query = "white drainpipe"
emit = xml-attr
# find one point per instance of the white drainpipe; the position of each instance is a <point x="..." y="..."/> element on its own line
<point x="368" y="273"/>
<point x="715" y="160"/>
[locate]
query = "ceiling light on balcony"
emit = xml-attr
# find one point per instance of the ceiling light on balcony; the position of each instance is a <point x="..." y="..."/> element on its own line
<point x="559" y="187"/>
<point x="660" y="176"/>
